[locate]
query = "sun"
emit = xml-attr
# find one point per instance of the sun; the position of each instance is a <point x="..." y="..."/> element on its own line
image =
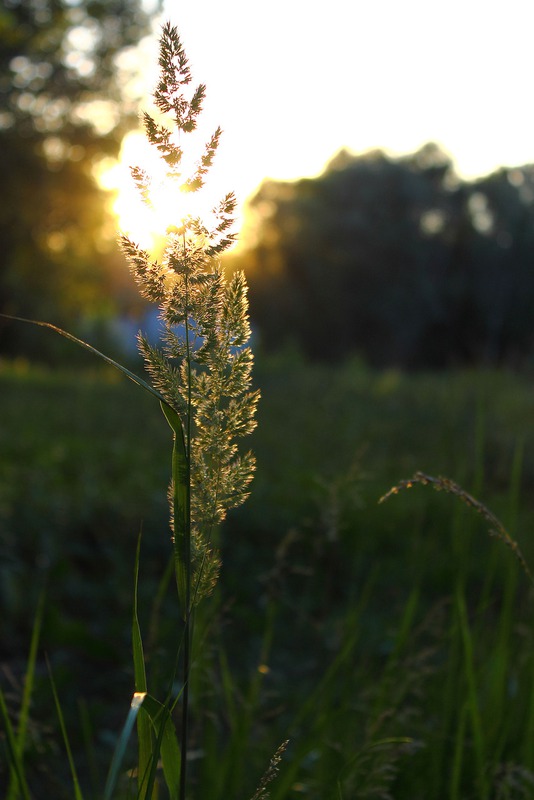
<point x="147" y="225"/>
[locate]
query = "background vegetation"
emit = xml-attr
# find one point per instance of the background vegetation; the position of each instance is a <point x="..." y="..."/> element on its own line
<point x="338" y="623"/>
<point x="68" y="95"/>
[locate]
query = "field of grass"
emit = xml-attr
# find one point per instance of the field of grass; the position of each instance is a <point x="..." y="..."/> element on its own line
<point x="391" y="644"/>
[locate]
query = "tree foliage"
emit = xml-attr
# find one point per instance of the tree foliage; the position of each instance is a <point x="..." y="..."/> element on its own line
<point x="395" y="259"/>
<point x="63" y="69"/>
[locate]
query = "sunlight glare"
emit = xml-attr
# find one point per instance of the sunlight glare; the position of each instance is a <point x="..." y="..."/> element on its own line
<point x="147" y="225"/>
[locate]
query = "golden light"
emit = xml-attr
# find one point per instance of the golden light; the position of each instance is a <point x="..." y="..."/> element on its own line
<point x="169" y="206"/>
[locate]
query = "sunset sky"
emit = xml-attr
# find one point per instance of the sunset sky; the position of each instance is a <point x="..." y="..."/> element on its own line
<point x="292" y="81"/>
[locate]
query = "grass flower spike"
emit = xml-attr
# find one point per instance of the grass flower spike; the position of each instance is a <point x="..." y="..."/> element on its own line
<point x="203" y="365"/>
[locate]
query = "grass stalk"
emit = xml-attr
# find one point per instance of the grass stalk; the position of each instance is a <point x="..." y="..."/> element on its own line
<point x="30" y="676"/>
<point x="458" y="756"/>
<point x="527" y="750"/>
<point x="144" y="736"/>
<point x="181" y="487"/>
<point x="88" y="739"/>
<point x="472" y="696"/>
<point x="496" y="529"/>
<point x="24" y="714"/>
<point x="187" y="551"/>
<point x="14" y="759"/>
<point x="74" y="775"/>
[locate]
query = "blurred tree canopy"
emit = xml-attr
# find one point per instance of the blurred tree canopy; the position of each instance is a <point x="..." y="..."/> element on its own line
<point x="397" y="260"/>
<point x="65" y="67"/>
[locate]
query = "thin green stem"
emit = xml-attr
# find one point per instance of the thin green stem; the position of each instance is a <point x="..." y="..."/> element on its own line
<point x="187" y="555"/>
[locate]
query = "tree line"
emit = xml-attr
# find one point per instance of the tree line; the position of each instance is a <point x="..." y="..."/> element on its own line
<point x="396" y="260"/>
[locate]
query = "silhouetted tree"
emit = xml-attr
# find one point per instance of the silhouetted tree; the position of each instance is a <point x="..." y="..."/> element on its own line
<point x="395" y="259"/>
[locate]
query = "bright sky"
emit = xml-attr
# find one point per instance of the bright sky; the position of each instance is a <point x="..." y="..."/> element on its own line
<point x="293" y="81"/>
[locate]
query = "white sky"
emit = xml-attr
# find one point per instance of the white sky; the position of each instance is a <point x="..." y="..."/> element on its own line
<point x="293" y="81"/>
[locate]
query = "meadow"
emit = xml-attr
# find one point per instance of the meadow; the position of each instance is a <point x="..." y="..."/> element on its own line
<point x="391" y="644"/>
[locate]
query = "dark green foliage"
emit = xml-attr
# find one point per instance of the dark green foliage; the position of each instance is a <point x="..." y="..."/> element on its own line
<point x="396" y="260"/>
<point x="352" y="610"/>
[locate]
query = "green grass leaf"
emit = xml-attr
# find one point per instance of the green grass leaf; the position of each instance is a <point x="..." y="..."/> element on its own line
<point x="169" y="749"/>
<point x="77" y="790"/>
<point x="24" y="714"/>
<point x="120" y="749"/>
<point x="14" y="759"/>
<point x="472" y="694"/>
<point x="30" y="675"/>
<point x="125" y="371"/>
<point x="144" y="735"/>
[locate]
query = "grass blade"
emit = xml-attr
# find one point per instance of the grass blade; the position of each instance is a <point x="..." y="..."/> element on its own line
<point x="29" y="677"/>
<point x="169" y="749"/>
<point x="77" y="791"/>
<point x="144" y="736"/>
<point x="125" y="371"/>
<point x="120" y="750"/>
<point x="13" y="754"/>
<point x="459" y="749"/>
<point x="20" y="741"/>
<point x="472" y="694"/>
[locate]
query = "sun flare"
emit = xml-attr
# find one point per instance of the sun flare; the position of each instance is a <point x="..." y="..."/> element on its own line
<point x="145" y="224"/>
